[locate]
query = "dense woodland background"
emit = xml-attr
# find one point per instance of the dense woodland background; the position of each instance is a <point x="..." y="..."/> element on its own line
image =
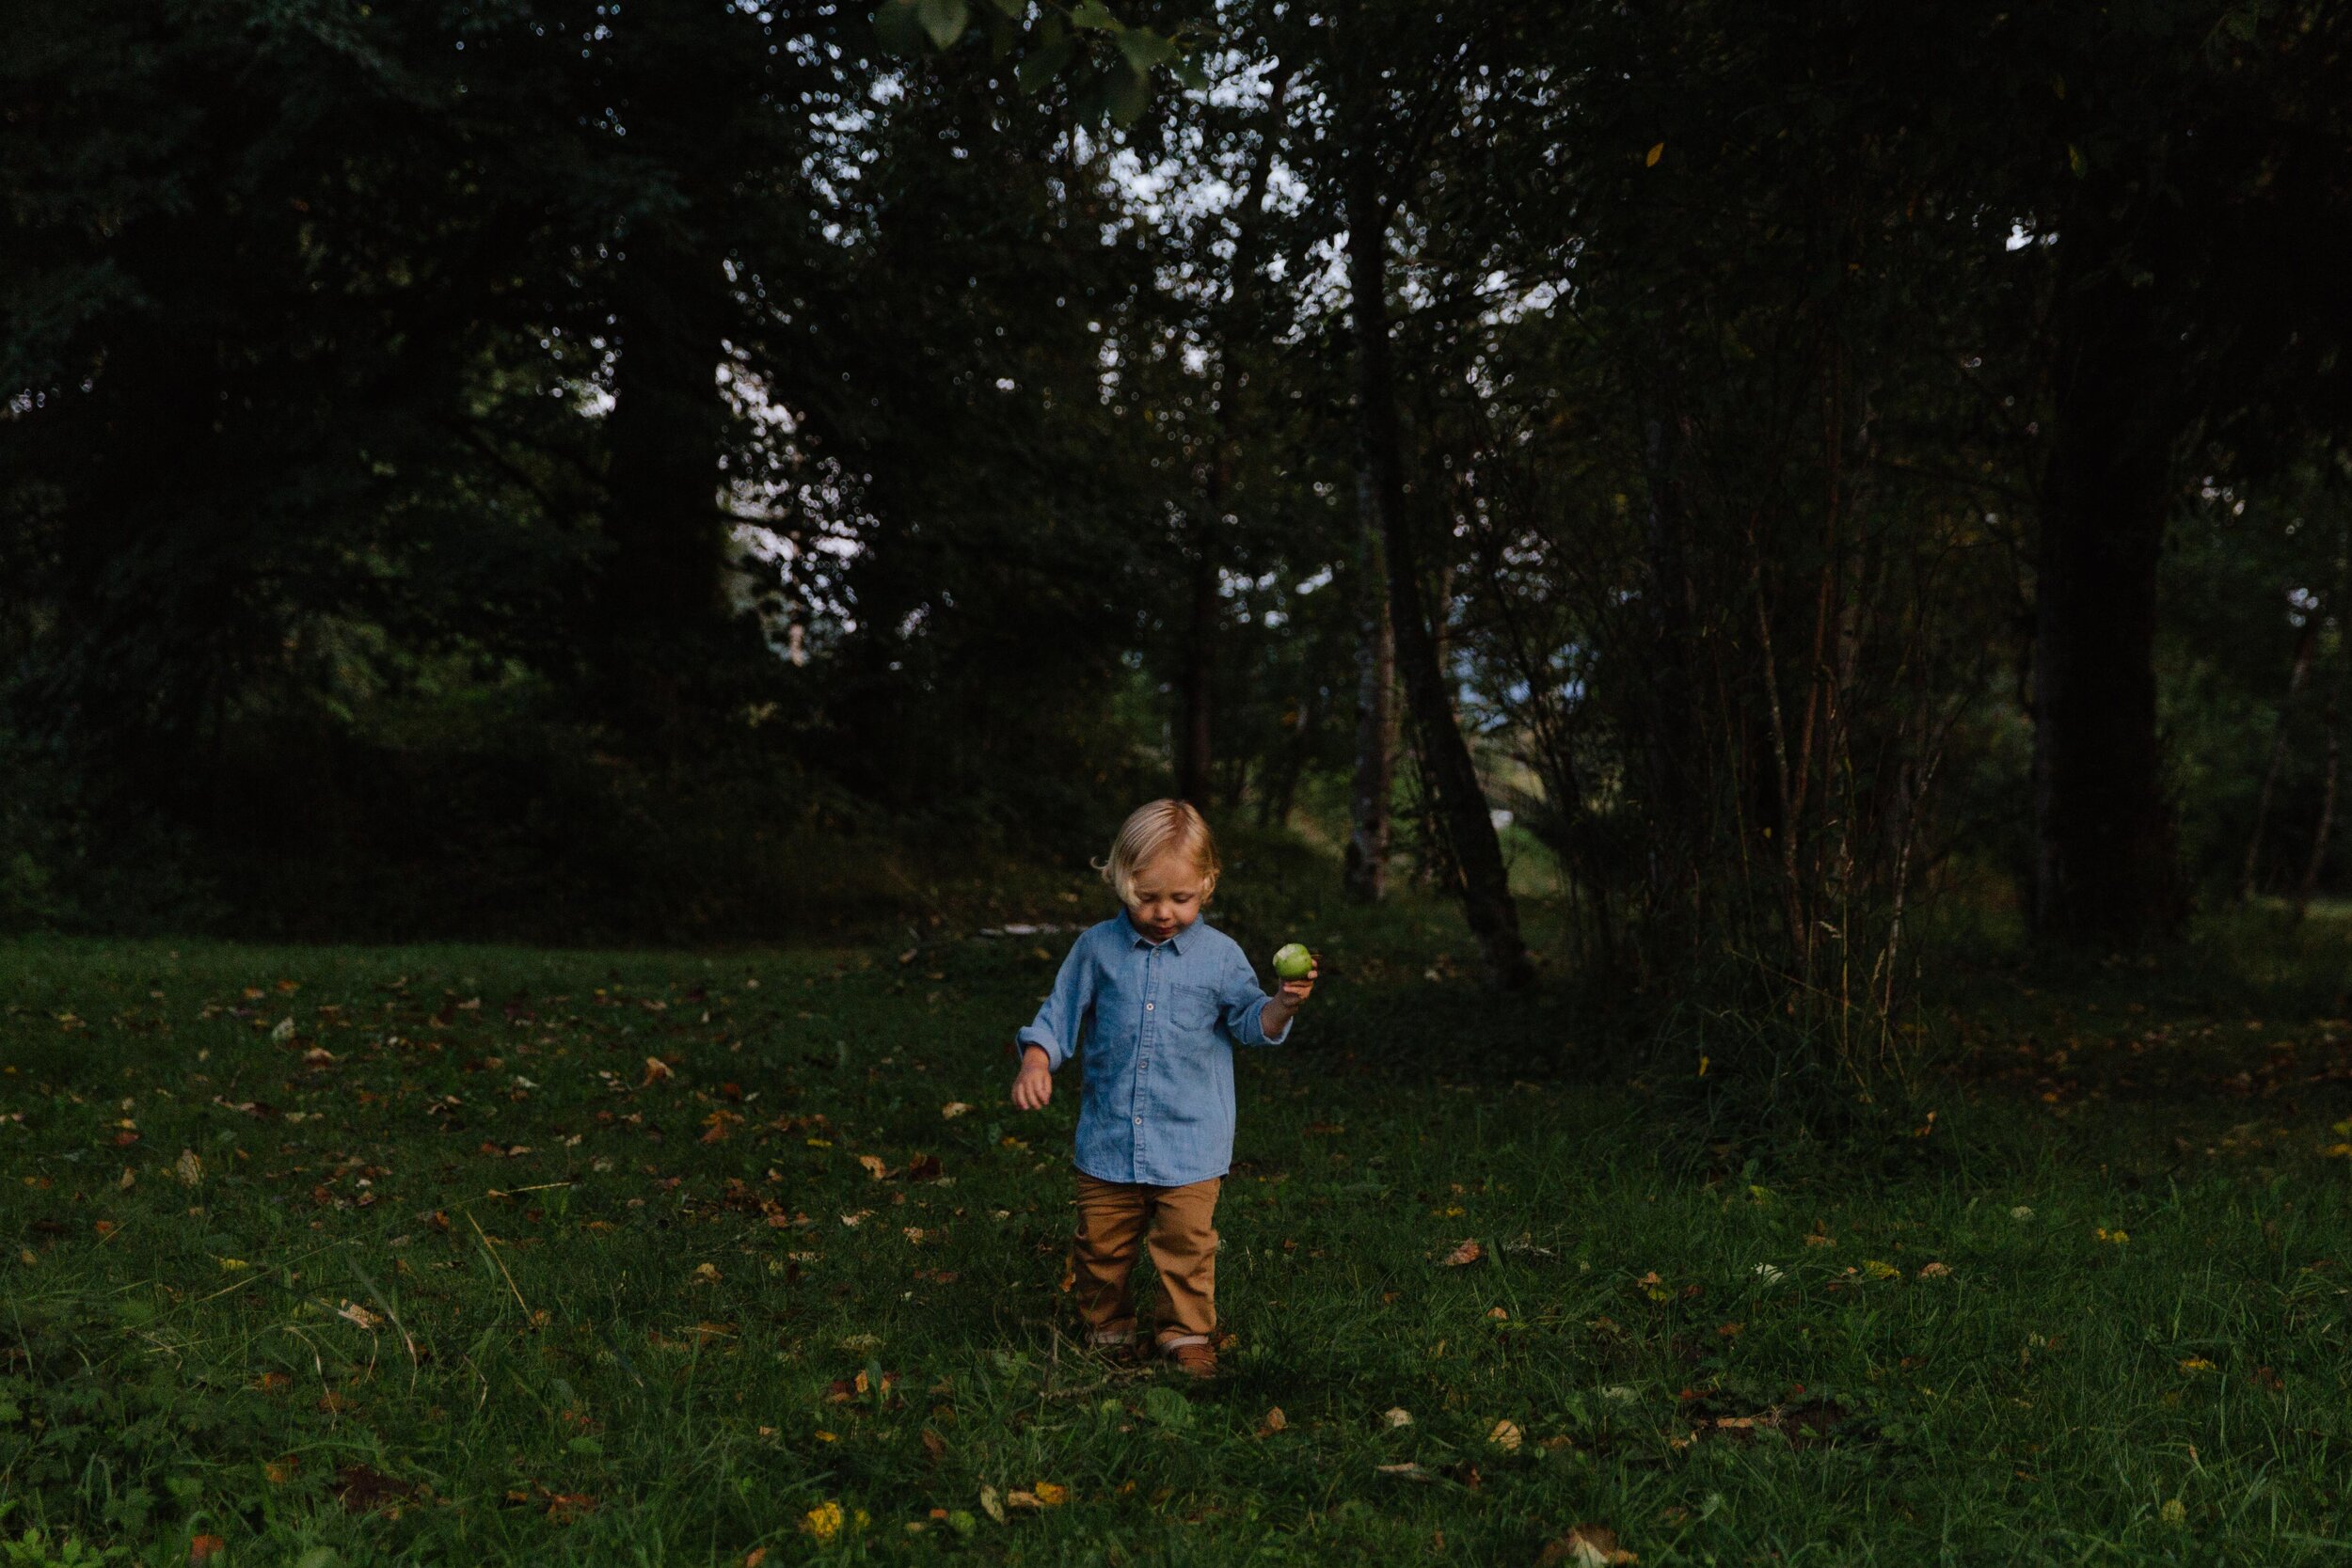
<point x="698" y="470"/>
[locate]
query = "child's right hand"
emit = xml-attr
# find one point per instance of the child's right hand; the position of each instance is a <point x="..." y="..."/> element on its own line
<point x="1034" y="1084"/>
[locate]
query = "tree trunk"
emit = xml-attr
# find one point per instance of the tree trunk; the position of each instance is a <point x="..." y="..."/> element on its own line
<point x="1366" y="867"/>
<point x="1445" y="756"/>
<point x="659" y="590"/>
<point x="2310" y="883"/>
<point x="1195" y="754"/>
<point x="2104" y="870"/>
<point x="1195" y="760"/>
<point x="2277" y="757"/>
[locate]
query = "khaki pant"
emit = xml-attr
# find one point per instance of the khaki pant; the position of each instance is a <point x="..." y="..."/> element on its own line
<point x="1113" y="1218"/>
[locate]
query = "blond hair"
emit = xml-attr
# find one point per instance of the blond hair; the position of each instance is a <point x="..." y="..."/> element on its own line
<point x="1151" y="832"/>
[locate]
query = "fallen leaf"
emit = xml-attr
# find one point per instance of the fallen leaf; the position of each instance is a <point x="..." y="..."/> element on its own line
<point x="205" y="1547"/>
<point x="953" y="1109"/>
<point x="824" y="1521"/>
<point x="1505" y="1435"/>
<point x="1407" y="1471"/>
<point x="753" y="1557"/>
<point x="934" y="1444"/>
<point x="279" y="1471"/>
<point x="351" y="1311"/>
<point x="1398" y="1416"/>
<point x="656" y="1070"/>
<point x="2195" y="1364"/>
<point x="1051" y="1494"/>
<point x="874" y="1165"/>
<point x="991" y="1505"/>
<point x="706" y="1274"/>
<point x="188" y="1168"/>
<point x="1935" y="1270"/>
<point x="1468" y="1252"/>
<point x="1022" y="1500"/>
<point x="1585" y="1546"/>
<point x="1656" y="152"/>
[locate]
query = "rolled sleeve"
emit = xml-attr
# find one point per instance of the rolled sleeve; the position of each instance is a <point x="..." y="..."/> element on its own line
<point x="1244" y="1007"/>
<point x="1062" y="1016"/>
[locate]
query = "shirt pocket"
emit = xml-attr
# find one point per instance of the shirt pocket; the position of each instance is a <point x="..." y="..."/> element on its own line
<point x="1194" y="1008"/>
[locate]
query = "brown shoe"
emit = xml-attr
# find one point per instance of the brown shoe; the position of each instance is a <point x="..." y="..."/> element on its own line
<point x="1193" y="1357"/>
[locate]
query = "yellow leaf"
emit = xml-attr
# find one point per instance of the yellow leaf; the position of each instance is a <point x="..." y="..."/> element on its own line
<point x="823" y="1521"/>
<point x="874" y="1165"/>
<point x="1877" y="1270"/>
<point x="1051" y="1494"/>
<point x="1505" y="1435"/>
<point x="1655" y="154"/>
<point x="2195" y="1364"/>
<point x="1587" y="1546"/>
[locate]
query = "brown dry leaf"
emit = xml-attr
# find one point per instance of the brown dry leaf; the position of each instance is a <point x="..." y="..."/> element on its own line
<point x="1023" y="1499"/>
<point x="1404" y="1472"/>
<point x="205" y="1547"/>
<point x="564" y="1507"/>
<point x="753" y="1557"/>
<point x="706" y="1274"/>
<point x="280" y="1471"/>
<point x="351" y="1311"/>
<point x="1051" y="1494"/>
<point x="1585" y="1546"/>
<point x="1468" y="1252"/>
<point x="656" y="1070"/>
<point x="1398" y="1416"/>
<point x="1498" y="1314"/>
<point x="1935" y="1270"/>
<point x="874" y="1165"/>
<point x="953" y="1109"/>
<point x="188" y="1168"/>
<point x="1507" y="1436"/>
<point x="934" y="1444"/>
<point x="1276" y="1420"/>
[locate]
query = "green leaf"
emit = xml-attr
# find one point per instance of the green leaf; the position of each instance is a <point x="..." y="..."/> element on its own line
<point x="1046" y="64"/>
<point x="1094" y="14"/>
<point x="1125" y="95"/>
<point x="1189" y="72"/>
<point x="945" y="21"/>
<point x="1167" y="1406"/>
<point x="898" y="28"/>
<point x="1145" y="49"/>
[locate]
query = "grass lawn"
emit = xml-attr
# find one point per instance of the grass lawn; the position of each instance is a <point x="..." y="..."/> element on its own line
<point x="472" y="1254"/>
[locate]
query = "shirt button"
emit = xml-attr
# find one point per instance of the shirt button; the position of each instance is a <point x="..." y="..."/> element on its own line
<point x="1138" y="1121"/>
<point x="1147" y="1006"/>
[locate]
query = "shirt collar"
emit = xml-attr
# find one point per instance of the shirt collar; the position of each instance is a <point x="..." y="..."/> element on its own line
<point x="1174" y="945"/>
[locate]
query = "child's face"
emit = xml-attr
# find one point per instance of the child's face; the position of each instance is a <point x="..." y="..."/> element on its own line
<point x="1169" y="894"/>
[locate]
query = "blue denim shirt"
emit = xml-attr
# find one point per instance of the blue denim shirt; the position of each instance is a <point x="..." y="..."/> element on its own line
<point x="1160" y="1021"/>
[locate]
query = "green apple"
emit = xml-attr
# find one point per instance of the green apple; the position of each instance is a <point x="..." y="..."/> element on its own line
<point x="1294" y="962"/>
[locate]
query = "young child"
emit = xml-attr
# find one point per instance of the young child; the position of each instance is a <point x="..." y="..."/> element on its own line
<point x="1161" y="1000"/>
